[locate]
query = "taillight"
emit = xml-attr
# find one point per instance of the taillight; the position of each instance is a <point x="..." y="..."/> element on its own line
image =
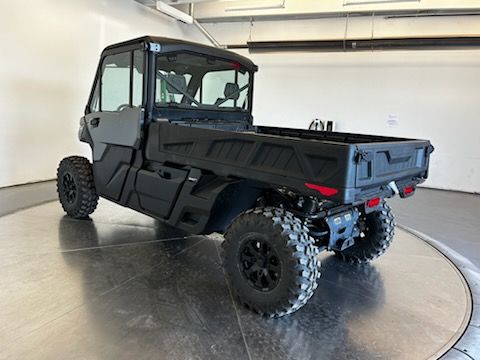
<point x="373" y="202"/>
<point x="408" y="190"/>
<point x="324" y="190"/>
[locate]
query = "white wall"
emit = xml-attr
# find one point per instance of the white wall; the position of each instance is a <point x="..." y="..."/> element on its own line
<point x="434" y="94"/>
<point x="50" y="51"/>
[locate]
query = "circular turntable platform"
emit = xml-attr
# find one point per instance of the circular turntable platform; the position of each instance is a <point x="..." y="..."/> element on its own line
<point x="123" y="286"/>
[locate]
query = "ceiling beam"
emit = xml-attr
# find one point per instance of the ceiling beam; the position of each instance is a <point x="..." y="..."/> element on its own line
<point x="351" y="45"/>
<point x="340" y="14"/>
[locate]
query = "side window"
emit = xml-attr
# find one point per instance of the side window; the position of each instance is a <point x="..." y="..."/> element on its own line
<point x="95" y="103"/>
<point x="114" y="90"/>
<point x="137" y="78"/>
<point x="115" y="82"/>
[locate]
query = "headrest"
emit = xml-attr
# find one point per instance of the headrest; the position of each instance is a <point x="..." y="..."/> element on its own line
<point x="231" y="91"/>
<point x="179" y="81"/>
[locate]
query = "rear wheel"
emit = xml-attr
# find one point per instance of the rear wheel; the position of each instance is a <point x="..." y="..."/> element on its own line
<point x="270" y="261"/>
<point x="75" y="187"/>
<point x="377" y="230"/>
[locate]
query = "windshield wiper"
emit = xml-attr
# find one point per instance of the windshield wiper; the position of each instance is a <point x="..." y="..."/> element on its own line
<point x="190" y="97"/>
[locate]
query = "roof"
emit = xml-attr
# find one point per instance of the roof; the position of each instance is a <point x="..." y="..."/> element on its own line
<point x="171" y="45"/>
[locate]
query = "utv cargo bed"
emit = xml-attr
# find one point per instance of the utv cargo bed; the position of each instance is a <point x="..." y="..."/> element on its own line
<point x="345" y="168"/>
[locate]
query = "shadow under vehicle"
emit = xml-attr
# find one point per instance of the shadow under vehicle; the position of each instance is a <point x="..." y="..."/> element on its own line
<point x="171" y="130"/>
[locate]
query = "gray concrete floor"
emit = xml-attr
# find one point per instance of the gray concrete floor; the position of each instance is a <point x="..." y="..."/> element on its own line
<point x="123" y="286"/>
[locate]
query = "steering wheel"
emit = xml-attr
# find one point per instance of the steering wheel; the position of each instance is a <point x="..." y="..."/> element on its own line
<point x="123" y="106"/>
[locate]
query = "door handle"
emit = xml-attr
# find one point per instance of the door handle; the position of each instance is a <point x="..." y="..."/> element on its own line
<point x="95" y="121"/>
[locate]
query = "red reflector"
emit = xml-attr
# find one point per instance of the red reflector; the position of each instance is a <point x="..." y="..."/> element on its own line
<point x="236" y="65"/>
<point x="408" y="190"/>
<point x="324" y="190"/>
<point x="373" y="202"/>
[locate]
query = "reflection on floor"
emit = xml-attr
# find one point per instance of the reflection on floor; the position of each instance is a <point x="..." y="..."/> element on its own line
<point x="123" y="286"/>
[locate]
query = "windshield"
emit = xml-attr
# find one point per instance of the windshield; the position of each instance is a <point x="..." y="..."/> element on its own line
<point x="187" y="80"/>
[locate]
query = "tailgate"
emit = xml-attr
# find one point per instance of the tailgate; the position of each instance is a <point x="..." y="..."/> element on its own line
<point x="382" y="162"/>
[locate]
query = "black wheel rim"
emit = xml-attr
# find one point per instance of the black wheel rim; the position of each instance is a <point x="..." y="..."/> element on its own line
<point x="260" y="264"/>
<point x="69" y="187"/>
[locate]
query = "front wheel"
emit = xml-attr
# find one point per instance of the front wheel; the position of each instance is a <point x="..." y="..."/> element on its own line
<point x="270" y="261"/>
<point x="75" y="187"/>
<point x="376" y="234"/>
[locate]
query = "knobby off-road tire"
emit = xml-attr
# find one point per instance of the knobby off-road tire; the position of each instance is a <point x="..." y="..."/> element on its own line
<point x="75" y="187"/>
<point x="270" y="261"/>
<point x="379" y="231"/>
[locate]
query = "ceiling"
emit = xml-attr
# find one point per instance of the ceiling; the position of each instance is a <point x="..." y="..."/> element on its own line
<point x="214" y="11"/>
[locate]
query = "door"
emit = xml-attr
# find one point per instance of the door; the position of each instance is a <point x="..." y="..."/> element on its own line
<point x="115" y="120"/>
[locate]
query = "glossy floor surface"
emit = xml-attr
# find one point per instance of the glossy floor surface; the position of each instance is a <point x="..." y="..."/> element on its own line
<point x="452" y="218"/>
<point x="452" y="221"/>
<point x="122" y="286"/>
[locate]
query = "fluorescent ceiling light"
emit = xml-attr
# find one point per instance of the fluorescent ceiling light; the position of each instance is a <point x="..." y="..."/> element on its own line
<point x="180" y="2"/>
<point x="372" y="2"/>
<point x="259" y="7"/>
<point x="175" y="13"/>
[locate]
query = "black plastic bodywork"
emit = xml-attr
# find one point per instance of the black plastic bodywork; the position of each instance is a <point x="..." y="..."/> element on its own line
<point x="197" y="170"/>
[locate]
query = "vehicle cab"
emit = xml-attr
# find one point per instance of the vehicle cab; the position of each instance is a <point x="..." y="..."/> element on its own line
<point x="165" y="79"/>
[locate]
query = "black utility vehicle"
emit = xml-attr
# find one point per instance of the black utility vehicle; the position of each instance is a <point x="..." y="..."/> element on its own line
<point x="170" y="127"/>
